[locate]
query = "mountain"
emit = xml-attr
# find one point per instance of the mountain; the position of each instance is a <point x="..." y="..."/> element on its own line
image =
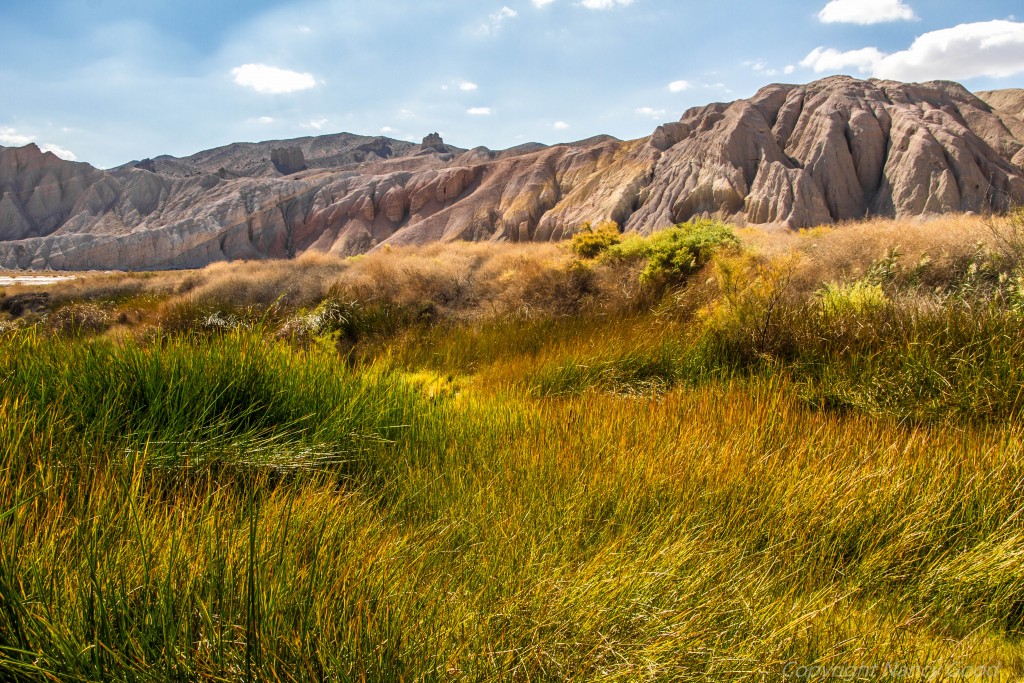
<point x="793" y="155"/>
<point x="271" y="159"/>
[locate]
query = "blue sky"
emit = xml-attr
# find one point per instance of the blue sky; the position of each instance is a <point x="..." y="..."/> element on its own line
<point x="109" y="81"/>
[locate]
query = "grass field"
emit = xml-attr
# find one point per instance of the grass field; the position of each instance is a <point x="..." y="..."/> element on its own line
<point x="799" y="458"/>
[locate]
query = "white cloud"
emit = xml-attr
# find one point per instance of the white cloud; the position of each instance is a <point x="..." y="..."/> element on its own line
<point x="650" y="112"/>
<point x="386" y="130"/>
<point x="679" y="86"/>
<point x="822" y="59"/>
<point x="604" y="4"/>
<point x="315" y="124"/>
<point x="496" y="20"/>
<point x="479" y="111"/>
<point x="761" y="67"/>
<point x="9" y="137"/>
<point x="467" y="86"/>
<point x="790" y="68"/>
<point x="992" y="48"/>
<point x="271" y="80"/>
<point x="542" y="3"/>
<point x="865" y="12"/>
<point x="265" y="120"/>
<point x="560" y="125"/>
<point x="65" y="154"/>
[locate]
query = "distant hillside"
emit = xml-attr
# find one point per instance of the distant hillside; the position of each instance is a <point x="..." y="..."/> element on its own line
<point x="833" y="150"/>
<point x="257" y="159"/>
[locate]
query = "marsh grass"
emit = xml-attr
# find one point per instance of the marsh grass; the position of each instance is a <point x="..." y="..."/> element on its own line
<point x="720" y="531"/>
<point x="196" y="393"/>
<point x="667" y="492"/>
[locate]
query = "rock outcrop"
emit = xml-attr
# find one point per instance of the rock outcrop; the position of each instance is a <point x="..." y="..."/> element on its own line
<point x="834" y="150"/>
<point x="1009" y="101"/>
<point x="1008" y="105"/>
<point x="288" y="160"/>
<point x="434" y="143"/>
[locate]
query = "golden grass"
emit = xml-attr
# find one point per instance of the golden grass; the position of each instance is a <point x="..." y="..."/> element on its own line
<point x="567" y="479"/>
<point x="464" y="281"/>
<point x="719" y="532"/>
<point x="847" y="251"/>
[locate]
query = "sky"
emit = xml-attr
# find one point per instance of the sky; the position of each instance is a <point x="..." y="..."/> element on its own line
<point x="111" y="81"/>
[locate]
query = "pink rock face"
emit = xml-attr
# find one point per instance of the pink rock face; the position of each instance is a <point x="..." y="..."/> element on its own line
<point x="834" y="150"/>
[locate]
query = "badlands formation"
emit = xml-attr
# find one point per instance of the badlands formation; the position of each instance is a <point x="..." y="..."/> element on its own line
<point x="793" y="155"/>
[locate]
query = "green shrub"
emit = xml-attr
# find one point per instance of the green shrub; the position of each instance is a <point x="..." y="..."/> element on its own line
<point x="591" y="241"/>
<point x="856" y="298"/>
<point x="750" y="321"/>
<point x="674" y="254"/>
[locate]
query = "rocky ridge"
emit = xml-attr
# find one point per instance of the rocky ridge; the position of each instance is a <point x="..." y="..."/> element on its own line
<point x="793" y="155"/>
<point x="256" y="159"/>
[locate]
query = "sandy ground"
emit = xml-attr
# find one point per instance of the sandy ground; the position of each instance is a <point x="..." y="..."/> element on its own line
<point x="11" y="280"/>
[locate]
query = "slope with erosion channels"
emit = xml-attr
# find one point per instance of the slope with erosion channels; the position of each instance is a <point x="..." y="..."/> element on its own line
<point x="834" y="150"/>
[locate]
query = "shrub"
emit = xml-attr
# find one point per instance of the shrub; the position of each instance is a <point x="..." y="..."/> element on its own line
<point x="192" y="315"/>
<point x="750" y="320"/>
<point x="19" y="305"/>
<point x="1007" y="232"/>
<point x="632" y="372"/>
<point x="591" y="241"/>
<point x="857" y="298"/>
<point x="346" y="324"/>
<point x="674" y="254"/>
<point x="78" y="319"/>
